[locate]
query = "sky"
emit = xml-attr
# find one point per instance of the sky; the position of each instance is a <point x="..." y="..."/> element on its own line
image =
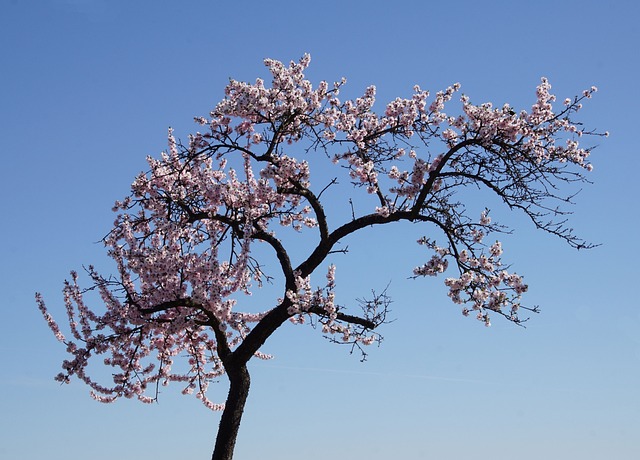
<point x="88" y="89"/>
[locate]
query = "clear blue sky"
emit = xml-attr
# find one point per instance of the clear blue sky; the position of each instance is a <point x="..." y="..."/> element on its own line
<point x="88" y="89"/>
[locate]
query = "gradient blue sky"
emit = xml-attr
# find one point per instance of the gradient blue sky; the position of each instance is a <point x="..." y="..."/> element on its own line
<point x="88" y="89"/>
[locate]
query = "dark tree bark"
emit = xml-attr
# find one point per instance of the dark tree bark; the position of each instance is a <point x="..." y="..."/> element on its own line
<point x="239" y="381"/>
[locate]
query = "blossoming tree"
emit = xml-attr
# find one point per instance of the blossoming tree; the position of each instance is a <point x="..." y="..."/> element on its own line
<point x="184" y="240"/>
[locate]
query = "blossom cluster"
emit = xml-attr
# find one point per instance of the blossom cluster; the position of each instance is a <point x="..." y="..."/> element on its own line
<point x="320" y="302"/>
<point x="484" y="283"/>
<point x="533" y="135"/>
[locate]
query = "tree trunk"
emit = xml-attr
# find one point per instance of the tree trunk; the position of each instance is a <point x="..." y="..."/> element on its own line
<point x="234" y="407"/>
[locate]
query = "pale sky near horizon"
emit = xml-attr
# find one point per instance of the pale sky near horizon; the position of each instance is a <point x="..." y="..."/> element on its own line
<point x="89" y="88"/>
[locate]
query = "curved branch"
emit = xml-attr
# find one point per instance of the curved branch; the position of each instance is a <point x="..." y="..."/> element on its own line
<point x="314" y="201"/>
<point x="281" y="254"/>
<point x="426" y="188"/>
